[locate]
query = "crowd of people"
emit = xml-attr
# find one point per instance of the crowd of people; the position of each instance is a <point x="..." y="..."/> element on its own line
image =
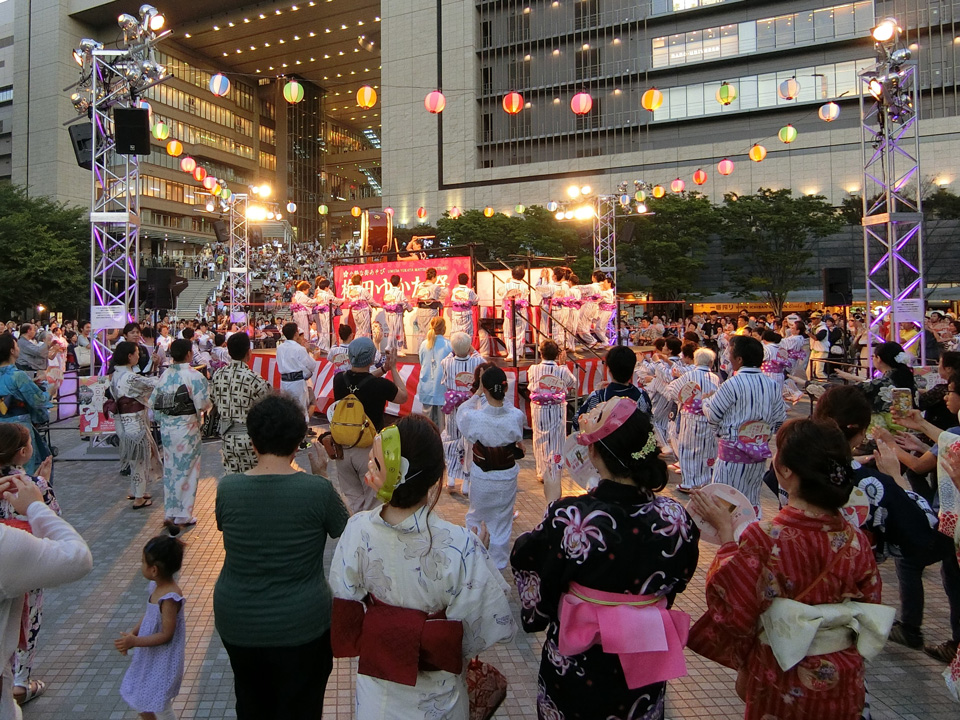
<point x="870" y="475"/>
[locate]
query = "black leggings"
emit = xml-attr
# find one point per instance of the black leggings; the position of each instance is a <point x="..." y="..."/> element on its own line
<point x="281" y="683"/>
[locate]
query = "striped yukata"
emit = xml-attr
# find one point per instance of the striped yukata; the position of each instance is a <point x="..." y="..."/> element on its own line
<point x="548" y="313"/>
<point x="514" y="297"/>
<point x="395" y="304"/>
<point x="797" y="347"/>
<point x="748" y="408"/>
<point x="458" y="379"/>
<point x="663" y="406"/>
<point x="462" y="302"/>
<point x="358" y="299"/>
<point x="589" y="311"/>
<point x="326" y="304"/>
<point x="548" y="383"/>
<point x="429" y="299"/>
<point x="696" y="440"/>
<point x="775" y="363"/>
<point x="607" y="306"/>
<point x="572" y="321"/>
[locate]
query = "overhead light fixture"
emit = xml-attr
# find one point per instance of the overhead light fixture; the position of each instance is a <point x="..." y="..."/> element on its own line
<point x="888" y="29"/>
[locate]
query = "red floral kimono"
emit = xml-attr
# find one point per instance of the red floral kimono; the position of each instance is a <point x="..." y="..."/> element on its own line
<point x="783" y="558"/>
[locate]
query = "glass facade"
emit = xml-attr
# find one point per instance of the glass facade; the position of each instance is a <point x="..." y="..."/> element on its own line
<point x="179" y="100"/>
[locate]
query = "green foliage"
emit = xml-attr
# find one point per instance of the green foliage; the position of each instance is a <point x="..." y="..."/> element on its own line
<point x="45" y="248"/>
<point x="942" y="205"/>
<point x="668" y="247"/>
<point x="767" y="240"/>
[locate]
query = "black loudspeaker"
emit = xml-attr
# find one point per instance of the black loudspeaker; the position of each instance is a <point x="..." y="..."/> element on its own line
<point x="159" y="288"/>
<point x="626" y="232"/>
<point x="131" y="130"/>
<point x="220" y="230"/>
<point x="837" y="286"/>
<point x="81" y="135"/>
<point x="255" y="236"/>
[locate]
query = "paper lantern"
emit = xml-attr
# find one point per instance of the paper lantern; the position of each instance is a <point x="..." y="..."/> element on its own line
<point x="700" y="177"/>
<point x="291" y="207"/>
<point x="323" y="209"/>
<point x="144" y="105"/>
<point x="454" y="212"/>
<point x="355" y="211"/>
<point x="581" y="103"/>
<point x="293" y="92"/>
<point x="366" y="97"/>
<point x="161" y="131"/>
<point x="726" y="94"/>
<point x="787" y="134"/>
<point x="677" y="185"/>
<point x="199" y="174"/>
<point x="174" y="148"/>
<point x="640" y="196"/>
<point x="488" y="211"/>
<point x="219" y="85"/>
<point x="789" y="89"/>
<point x="624" y="199"/>
<point x="435" y="102"/>
<point x="520" y="209"/>
<point x="188" y="164"/>
<point x="651" y="99"/>
<point x="725" y="166"/>
<point x="512" y="103"/>
<point x="658" y="191"/>
<point x="421" y="212"/>
<point x="388" y="211"/>
<point x="757" y="153"/>
<point x="829" y="112"/>
<point x="216" y="190"/>
<point x="552" y="206"/>
<point x="226" y="194"/>
<point x="209" y="181"/>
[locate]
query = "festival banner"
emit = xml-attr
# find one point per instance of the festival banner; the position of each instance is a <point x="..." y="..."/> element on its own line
<point x="92" y="392"/>
<point x="376" y="276"/>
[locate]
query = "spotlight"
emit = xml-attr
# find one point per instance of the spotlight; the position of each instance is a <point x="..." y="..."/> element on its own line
<point x="641" y="208"/>
<point x="888" y="29"/>
<point x="585" y="190"/>
<point x="88" y="45"/>
<point x="153" y="70"/>
<point x="265" y="191"/>
<point x="573" y="191"/>
<point x="151" y="17"/>
<point x="80" y="103"/>
<point x="128" y="23"/>
<point x="210" y="206"/>
<point x="899" y="57"/>
<point x="78" y="57"/>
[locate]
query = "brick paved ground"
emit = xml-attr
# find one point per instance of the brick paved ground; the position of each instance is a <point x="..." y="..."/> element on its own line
<point x="83" y="671"/>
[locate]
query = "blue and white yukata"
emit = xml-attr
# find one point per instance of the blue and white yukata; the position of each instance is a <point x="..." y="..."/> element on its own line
<point x="696" y="440"/>
<point x="429" y="299"/>
<point x="395" y="304"/>
<point x="458" y="375"/>
<point x="747" y="409"/>
<point x="23" y="402"/>
<point x="179" y="400"/>
<point x="513" y="294"/>
<point x="589" y="312"/>
<point x="430" y="387"/>
<point x="462" y="301"/>
<point x="358" y="299"/>
<point x="327" y="303"/>
<point x="548" y="383"/>
<point x="138" y="451"/>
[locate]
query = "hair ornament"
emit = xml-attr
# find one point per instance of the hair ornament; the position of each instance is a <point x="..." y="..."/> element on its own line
<point x="902" y="358"/>
<point x="648" y="448"/>
<point x="838" y="474"/>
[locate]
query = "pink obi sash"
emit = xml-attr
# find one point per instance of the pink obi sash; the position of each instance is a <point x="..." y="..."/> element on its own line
<point x="321" y="308"/>
<point x="796" y="354"/>
<point x="516" y="301"/>
<point x="592" y="298"/>
<point x="772" y="367"/>
<point x="546" y="397"/>
<point x="359" y="305"/>
<point x="608" y="307"/>
<point x="693" y="407"/>
<point x="452" y="399"/>
<point x="394" y="308"/>
<point x="747" y="453"/>
<point x="297" y="307"/>
<point x="648" y="638"/>
<point x="564" y="302"/>
<point x="461" y="306"/>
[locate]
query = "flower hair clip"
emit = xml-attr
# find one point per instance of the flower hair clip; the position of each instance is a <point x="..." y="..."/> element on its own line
<point x="902" y="358"/>
<point x="650" y="447"/>
<point x="838" y="475"/>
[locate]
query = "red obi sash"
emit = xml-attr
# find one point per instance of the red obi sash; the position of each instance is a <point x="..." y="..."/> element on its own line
<point x="395" y="643"/>
<point x="648" y="638"/>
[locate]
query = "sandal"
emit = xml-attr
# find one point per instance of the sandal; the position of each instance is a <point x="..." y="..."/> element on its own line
<point x="146" y="496"/>
<point x="146" y="503"/>
<point x="31" y="692"/>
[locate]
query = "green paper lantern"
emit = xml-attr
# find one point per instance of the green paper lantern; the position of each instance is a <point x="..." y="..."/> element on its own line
<point x="726" y="94"/>
<point x="293" y="92"/>
<point x="787" y="134"/>
<point x="323" y="209"/>
<point x="161" y="131"/>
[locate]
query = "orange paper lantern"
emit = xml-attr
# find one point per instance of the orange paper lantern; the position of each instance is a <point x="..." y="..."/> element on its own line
<point x="757" y="153"/>
<point x="581" y="103"/>
<point x="355" y="211"/>
<point x="651" y="99"/>
<point x="700" y="177"/>
<point x="366" y="97"/>
<point x="435" y="102"/>
<point x="488" y="211"/>
<point x="658" y="191"/>
<point x="725" y="166"/>
<point x="512" y="103"/>
<point x="174" y="148"/>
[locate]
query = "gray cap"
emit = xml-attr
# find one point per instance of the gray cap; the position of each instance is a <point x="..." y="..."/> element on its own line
<point x="362" y="352"/>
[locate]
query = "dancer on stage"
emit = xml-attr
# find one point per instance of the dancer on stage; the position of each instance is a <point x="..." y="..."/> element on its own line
<point x="302" y="307"/>
<point x="513" y="294"/>
<point x="462" y="301"/>
<point x="573" y="303"/>
<point x="429" y="299"/>
<point x="748" y="408"/>
<point x="591" y="295"/>
<point x="395" y="304"/>
<point x="458" y="372"/>
<point x="696" y="440"/>
<point x="546" y="288"/>
<point x="548" y="383"/>
<point x="607" y="307"/>
<point x="359" y="301"/>
<point x="326" y="305"/>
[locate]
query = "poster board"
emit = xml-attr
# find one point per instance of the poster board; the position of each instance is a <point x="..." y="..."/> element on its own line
<point x="92" y="392"/>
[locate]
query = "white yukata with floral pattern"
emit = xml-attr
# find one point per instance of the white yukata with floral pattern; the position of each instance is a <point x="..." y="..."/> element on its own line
<point x="404" y="565"/>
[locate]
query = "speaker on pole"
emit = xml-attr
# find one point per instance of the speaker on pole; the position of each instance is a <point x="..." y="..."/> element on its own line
<point x="81" y="137"/>
<point x="131" y="131"/>
<point x="837" y="286"/>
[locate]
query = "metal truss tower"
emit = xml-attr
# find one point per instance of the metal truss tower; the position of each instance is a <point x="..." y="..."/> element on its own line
<point x="239" y="266"/>
<point x="114" y="208"/>
<point x="605" y="236"/>
<point x="892" y="202"/>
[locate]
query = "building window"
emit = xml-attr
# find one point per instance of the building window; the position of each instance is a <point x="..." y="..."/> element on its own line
<point x="486" y="33"/>
<point x="518" y="27"/>
<point x="486" y="80"/>
<point x="592" y="120"/>
<point x="587" y="63"/>
<point x="518" y="74"/>
<point x="586" y="14"/>
<point x="486" y="127"/>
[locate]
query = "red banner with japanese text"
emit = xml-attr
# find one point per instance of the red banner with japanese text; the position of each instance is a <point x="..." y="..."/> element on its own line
<point x="376" y="276"/>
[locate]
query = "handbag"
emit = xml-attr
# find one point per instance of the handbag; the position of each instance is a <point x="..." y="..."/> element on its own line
<point x="486" y="688"/>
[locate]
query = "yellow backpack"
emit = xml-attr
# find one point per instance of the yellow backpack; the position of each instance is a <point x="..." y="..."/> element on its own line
<point x="350" y="426"/>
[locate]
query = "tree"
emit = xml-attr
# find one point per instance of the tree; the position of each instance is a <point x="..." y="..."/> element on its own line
<point x="668" y="246"/>
<point x="45" y="248"/>
<point x="767" y="237"/>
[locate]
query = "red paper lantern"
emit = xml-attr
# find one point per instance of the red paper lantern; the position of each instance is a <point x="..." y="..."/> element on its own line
<point x="435" y="102"/>
<point x="199" y="174"/>
<point x="581" y="103"/>
<point x="700" y="177"/>
<point x="512" y="103"/>
<point x="725" y="166"/>
<point x="421" y="212"/>
<point x="677" y="185"/>
<point x="188" y="164"/>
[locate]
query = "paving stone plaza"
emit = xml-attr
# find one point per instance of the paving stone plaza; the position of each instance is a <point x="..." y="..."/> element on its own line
<point x="83" y="671"/>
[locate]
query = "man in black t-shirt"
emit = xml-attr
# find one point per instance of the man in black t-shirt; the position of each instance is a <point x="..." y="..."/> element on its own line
<point x="373" y="393"/>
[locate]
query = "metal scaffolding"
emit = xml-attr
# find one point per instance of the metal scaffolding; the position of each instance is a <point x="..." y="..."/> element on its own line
<point x="892" y="202"/>
<point x="114" y="208"/>
<point x="605" y="236"/>
<point x="239" y="266"/>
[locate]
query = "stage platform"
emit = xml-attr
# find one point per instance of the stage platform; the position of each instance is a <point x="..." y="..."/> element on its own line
<point x="588" y="370"/>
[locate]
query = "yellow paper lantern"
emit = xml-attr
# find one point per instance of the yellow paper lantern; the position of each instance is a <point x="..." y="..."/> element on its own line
<point x="355" y="211"/>
<point x="658" y="191"/>
<point x="651" y="100"/>
<point x="757" y="153"/>
<point x="323" y="209"/>
<point x="366" y="97"/>
<point x="488" y="211"/>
